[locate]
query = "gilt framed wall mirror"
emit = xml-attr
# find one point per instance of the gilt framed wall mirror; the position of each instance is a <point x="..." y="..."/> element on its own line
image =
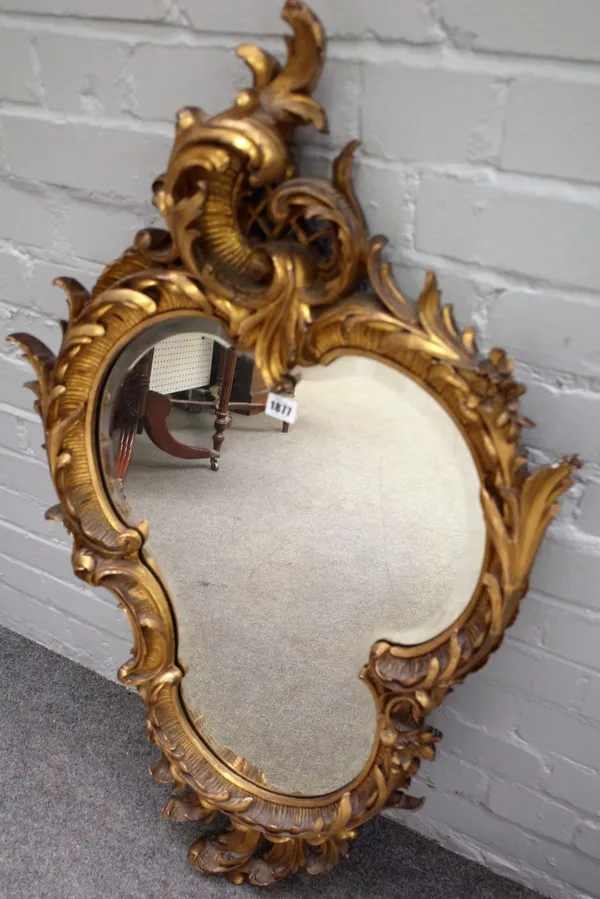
<point x="306" y="491"/>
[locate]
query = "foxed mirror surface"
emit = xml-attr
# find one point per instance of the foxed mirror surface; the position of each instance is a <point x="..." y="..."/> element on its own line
<point x="362" y="522"/>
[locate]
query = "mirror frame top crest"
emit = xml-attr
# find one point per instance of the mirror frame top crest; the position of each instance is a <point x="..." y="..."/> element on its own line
<point x="312" y="286"/>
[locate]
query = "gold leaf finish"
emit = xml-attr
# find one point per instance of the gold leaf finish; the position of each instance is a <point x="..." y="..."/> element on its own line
<point x="280" y="262"/>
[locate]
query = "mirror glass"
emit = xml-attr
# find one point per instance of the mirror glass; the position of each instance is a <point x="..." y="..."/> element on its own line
<point x="289" y="549"/>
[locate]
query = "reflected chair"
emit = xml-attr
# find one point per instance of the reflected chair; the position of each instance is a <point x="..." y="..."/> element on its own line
<point x="140" y="408"/>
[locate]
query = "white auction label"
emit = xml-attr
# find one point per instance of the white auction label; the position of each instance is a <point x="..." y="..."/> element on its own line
<point x="284" y="408"/>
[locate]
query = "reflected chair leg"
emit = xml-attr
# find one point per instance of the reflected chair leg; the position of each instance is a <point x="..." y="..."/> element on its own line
<point x="223" y="417"/>
<point x="128" y="413"/>
<point x="155" y="422"/>
<point x="125" y="450"/>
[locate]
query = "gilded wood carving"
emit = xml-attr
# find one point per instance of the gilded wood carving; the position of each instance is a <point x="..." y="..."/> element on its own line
<point x="281" y="262"/>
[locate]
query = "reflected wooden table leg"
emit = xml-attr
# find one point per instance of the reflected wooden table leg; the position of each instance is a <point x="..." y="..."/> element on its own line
<point x="220" y="367"/>
<point x="223" y="416"/>
<point x="292" y="381"/>
<point x="286" y="425"/>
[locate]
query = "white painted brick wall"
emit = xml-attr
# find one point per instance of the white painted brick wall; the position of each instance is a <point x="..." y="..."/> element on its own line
<point x="541" y="28"/>
<point x="562" y="143"/>
<point x="480" y="123"/>
<point x="459" y="103"/>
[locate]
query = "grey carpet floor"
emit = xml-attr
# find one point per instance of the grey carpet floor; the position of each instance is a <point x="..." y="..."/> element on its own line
<point x="80" y="817"/>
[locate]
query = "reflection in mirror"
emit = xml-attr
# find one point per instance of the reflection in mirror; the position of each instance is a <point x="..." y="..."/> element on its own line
<point x="299" y="549"/>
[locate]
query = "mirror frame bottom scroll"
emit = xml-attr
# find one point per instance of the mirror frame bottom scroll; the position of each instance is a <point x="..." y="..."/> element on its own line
<point x="301" y="310"/>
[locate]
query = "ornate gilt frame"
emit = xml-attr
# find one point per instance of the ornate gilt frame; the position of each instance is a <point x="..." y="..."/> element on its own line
<point x="291" y="300"/>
